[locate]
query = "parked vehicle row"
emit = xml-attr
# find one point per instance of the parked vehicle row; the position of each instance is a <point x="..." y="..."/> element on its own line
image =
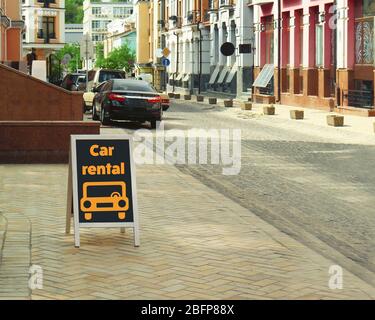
<point x="127" y="99"/>
<point x="112" y="97"/>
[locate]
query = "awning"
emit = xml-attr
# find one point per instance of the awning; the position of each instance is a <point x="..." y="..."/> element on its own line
<point x="264" y="76"/>
<point x="214" y="75"/>
<point x="231" y="74"/>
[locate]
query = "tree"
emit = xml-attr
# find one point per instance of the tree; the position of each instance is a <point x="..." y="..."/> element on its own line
<point x="120" y="58"/>
<point x="73" y="11"/>
<point x="74" y="51"/>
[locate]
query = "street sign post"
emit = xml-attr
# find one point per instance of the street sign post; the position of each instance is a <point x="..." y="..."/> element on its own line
<point x="165" y="62"/>
<point x="86" y="52"/>
<point x="101" y="186"/>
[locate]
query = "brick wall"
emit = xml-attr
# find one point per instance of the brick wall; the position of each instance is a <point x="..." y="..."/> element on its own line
<point x="26" y="98"/>
<point x="40" y="141"/>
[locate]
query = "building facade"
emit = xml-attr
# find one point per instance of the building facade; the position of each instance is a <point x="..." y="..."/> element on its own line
<point x="120" y="32"/>
<point x="73" y="33"/>
<point x="99" y="13"/>
<point x="322" y="52"/>
<point x="45" y="27"/>
<point x="11" y="29"/>
<point x="194" y="31"/>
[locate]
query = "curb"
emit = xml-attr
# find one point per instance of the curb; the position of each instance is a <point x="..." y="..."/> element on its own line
<point x="3" y="232"/>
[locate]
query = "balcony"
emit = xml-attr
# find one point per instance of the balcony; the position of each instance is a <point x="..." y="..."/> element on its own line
<point x="46" y="36"/>
<point x="174" y="22"/>
<point x="226" y="3"/>
<point x="193" y="17"/>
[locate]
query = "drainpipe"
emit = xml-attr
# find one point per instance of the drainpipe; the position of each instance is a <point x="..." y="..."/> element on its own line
<point x="162" y="40"/>
<point x="177" y="58"/>
<point x="279" y="51"/>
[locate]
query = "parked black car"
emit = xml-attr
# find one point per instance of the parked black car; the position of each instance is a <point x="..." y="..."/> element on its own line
<point x="127" y="99"/>
<point x="74" y="81"/>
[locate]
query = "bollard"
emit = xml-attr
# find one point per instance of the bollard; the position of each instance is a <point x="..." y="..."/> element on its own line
<point x="335" y="121"/>
<point x="177" y="96"/>
<point x="297" y="114"/>
<point x="228" y="103"/>
<point x="246" y="105"/>
<point x="187" y="97"/>
<point x="200" y="98"/>
<point x="170" y="94"/>
<point x="212" y="100"/>
<point x="269" y="110"/>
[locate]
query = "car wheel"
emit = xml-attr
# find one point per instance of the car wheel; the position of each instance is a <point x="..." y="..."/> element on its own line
<point x="153" y="124"/>
<point x="105" y="120"/>
<point x="94" y="115"/>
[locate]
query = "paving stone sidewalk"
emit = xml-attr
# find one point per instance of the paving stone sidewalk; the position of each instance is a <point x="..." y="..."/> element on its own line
<point x="195" y="244"/>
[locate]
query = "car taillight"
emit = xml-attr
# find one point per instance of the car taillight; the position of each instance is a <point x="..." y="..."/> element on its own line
<point x="116" y="97"/>
<point x="154" y="100"/>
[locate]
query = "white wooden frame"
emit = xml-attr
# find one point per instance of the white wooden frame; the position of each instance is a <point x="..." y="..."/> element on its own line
<point x="72" y="190"/>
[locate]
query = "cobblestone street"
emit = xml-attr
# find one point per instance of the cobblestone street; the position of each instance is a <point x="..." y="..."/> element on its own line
<point x="204" y="238"/>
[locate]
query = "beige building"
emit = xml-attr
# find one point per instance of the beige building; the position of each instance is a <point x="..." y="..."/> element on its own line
<point x="45" y="27"/>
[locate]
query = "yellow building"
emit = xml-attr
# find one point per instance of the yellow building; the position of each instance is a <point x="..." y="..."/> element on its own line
<point x="144" y="49"/>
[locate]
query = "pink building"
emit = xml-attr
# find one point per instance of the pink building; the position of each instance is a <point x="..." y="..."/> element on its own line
<point x="326" y="56"/>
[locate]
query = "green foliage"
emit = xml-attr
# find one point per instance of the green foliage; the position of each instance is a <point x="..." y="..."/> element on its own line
<point x="120" y="58"/>
<point x="73" y="11"/>
<point x="74" y="51"/>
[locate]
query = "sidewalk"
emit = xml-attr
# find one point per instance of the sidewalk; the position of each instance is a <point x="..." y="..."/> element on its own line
<point x="195" y="244"/>
<point x="312" y="117"/>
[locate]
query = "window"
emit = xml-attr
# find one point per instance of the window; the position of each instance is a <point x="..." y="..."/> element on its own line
<point x="319" y="46"/>
<point x="96" y="10"/>
<point x="46" y="29"/>
<point x="364" y="41"/>
<point x="132" y="85"/>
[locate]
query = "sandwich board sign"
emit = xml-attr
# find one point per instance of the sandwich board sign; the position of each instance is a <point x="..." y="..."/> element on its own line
<point x="101" y="184"/>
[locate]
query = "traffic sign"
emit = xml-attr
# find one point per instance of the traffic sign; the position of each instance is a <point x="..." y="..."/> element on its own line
<point x="102" y="184"/>
<point x="227" y="48"/>
<point x="86" y="47"/>
<point x="159" y="53"/>
<point x="165" y="62"/>
<point x="66" y="59"/>
<point x="166" y="52"/>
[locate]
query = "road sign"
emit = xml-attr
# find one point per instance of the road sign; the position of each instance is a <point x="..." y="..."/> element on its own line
<point x="159" y="53"/>
<point x="66" y="59"/>
<point x="86" y="47"/>
<point x="165" y="62"/>
<point x="227" y="48"/>
<point x="102" y="184"/>
<point x="166" y="52"/>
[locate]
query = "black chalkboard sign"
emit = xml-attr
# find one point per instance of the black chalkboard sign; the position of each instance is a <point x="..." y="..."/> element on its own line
<point x="103" y="183"/>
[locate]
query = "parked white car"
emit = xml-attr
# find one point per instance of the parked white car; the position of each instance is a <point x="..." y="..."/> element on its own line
<point x="96" y="77"/>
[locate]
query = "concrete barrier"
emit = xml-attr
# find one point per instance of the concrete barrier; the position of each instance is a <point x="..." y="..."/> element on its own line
<point x="187" y="97"/>
<point x="335" y="121"/>
<point x="177" y="96"/>
<point x="297" y="114"/>
<point x="246" y="105"/>
<point x="228" y="103"/>
<point x="212" y="100"/>
<point x="269" y="110"/>
<point x="200" y="98"/>
<point x="171" y="95"/>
